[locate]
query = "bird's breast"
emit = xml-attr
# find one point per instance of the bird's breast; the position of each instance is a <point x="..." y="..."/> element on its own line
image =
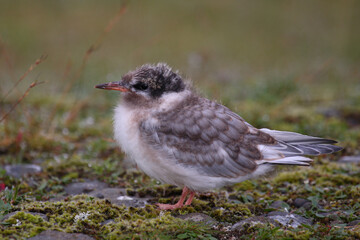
<point x="126" y="130"/>
<point x="127" y="135"/>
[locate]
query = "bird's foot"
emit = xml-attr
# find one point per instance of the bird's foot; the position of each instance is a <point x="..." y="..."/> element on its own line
<point x="169" y="206"/>
<point x="180" y="203"/>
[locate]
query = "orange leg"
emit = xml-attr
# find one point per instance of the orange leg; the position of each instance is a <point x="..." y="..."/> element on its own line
<point x="180" y="203"/>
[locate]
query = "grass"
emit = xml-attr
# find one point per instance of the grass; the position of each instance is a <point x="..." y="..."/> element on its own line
<point x="286" y="66"/>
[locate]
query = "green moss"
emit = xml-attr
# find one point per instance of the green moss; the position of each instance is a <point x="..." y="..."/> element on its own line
<point x="291" y="177"/>
<point x="302" y="234"/>
<point x="23" y="225"/>
<point x="229" y="212"/>
<point x="355" y="232"/>
<point x="83" y="215"/>
<point x="244" y="186"/>
<point x="163" y="226"/>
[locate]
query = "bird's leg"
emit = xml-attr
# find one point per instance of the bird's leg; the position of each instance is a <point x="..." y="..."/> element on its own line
<point x="191" y="197"/>
<point x="179" y="204"/>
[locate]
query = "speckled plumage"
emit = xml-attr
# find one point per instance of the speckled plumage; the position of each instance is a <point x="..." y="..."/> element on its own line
<point x="207" y="136"/>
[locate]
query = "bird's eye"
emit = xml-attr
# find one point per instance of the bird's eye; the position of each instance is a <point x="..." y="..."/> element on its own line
<point x="140" y="86"/>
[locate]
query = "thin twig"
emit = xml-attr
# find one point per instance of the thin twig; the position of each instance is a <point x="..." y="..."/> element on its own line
<point x="37" y="62"/>
<point x="97" y="45"/>
<point x="34" y="84"/>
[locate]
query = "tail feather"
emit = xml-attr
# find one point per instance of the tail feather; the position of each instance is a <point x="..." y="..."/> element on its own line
<point x="296" y="138"/>
<point x="291" y="147"/>
<point x="296" y="160"/>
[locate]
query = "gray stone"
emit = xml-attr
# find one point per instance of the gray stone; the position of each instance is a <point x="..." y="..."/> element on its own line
<point x="329" y="112"/>
<point x="350" y="159"/>
<point x="118" y="197"/>
<point x="99" y="195"/>
<point x="20" y="170"/>
<point x="56" y="235"/>
<point x="288" y="219"/>
<point x="107" y="222"/>
<point x="331" y="215"/>
<point x="353" y="223"/>
<point x="57" y="198"/>
<point x="84" y="187"/>
<point x="253" y="221"/>
<point x="279" y="205"/>
<point x="9" y="215"/>
<point x="198" y="217"/>
<point x="307" y="206"/>
<point x="300" y="202"/>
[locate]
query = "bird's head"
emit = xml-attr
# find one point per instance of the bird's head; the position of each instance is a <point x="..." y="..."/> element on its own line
<point x="150" y="81"/>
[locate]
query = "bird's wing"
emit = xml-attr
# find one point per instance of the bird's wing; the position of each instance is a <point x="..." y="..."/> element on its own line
<point x="208" y="137"/>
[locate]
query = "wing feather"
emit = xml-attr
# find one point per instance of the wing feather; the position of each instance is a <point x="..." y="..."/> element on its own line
<point x="210" y="138"/>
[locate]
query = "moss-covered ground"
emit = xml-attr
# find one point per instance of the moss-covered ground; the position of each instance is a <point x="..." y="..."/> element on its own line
<point x="82" y="152"/>
<point x="283" y="66"/>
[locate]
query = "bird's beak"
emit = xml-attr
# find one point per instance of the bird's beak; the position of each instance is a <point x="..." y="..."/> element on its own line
<point x="118" y="86"/>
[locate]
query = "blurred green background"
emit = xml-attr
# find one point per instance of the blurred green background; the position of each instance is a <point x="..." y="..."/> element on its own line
<point x="276" y="63"/>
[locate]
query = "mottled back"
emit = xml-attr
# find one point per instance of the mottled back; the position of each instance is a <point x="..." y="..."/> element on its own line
<point x="207" y="136"/>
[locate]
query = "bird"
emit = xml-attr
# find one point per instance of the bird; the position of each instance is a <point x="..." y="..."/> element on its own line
<point x="181" y="138"/>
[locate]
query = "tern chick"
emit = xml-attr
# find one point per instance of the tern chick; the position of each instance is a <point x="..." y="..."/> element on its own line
<point x="180" y="138"/>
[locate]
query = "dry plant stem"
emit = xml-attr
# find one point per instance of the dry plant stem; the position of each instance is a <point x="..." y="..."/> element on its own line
<point x="37" y="62"/>
<point x="34" y="84"/>
<point x="100" y="40"/>
<point x="88" y="53"/>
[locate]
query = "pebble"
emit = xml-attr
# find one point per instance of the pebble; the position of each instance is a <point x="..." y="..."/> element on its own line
<point x="350" y="159"/>
<point x="118" y="197"/>
<point x="198" y="217"/>
<point x="56" y="235"/>
<point x="302" y="202"/>
<point x="20" y="170"/>
<point x="279" y="205"/>
<point x="333" y="215"/>
<point x="84" y="187"/>
<point x="288" y="219"/>
<point x="354" y="223"/>
<point x="253" y="221"/>
<point x="107" y="222"/>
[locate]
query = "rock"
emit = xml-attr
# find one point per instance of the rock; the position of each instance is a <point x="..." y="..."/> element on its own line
<point x="107" y="222"/>
<point x="20" y="170"/>
<point x="333" y="215"/>
<point x="353" y="223"/>
<point x="84" y="187"/>
<point x="56" y="199"/>
<point x="9" y="215"/>
<point x="56" y="235"/>
<point x="253" y="221"/>
<point x="301" y="202"/>
<point x="279" y="205"/>
<point x="350" y="159"/>
<point x="307" y="206"/>
<point x="329" y="112"/>
<point x="198" y="217"/>
<point x="99" y="195"/>
<point x="288" y="219"/>
<point x="118" y="197"/>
